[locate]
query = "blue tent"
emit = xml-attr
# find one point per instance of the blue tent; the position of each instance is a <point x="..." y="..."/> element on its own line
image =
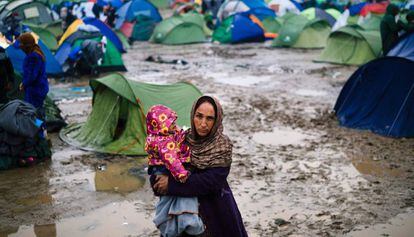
<point x="106" y="31"/>
<point x="238" y="28"/>
<point x="404" y="48"/>
<point x="259" y="8"/>
<point x="17" y="56"/>
<point x="379" y="96"/>
<point x="130" y="10"/>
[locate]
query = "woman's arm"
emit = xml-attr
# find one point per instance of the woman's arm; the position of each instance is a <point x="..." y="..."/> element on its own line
<point x="204" y="182"/>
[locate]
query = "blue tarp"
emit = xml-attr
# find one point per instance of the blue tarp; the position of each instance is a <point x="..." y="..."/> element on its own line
<point x="379" y="97"/>
<point x="17" y="56"/>
<point x="404" y="48"/>
<point x="106" y="31"/>
<point x="245" y="30"/>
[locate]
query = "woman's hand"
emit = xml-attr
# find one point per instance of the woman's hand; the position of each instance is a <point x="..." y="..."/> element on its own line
<point x="161" y="185"/>
<point x="21" y="87"/>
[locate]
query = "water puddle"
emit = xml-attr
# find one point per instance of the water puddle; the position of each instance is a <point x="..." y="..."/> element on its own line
<point x="401" y="225"/>
<point x="242" y="80"/>
<point x="263" y="205"/>
<point x="310" y="93"/>
<point x="119" y="178"/>
<point x="115" y="219"/>
<point x="368" y="165"/>
<point x="68" y="93"/>
<point x="281" y="137"/>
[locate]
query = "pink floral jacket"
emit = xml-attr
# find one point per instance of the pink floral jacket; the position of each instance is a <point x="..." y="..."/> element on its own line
<point x="165" y="143"/>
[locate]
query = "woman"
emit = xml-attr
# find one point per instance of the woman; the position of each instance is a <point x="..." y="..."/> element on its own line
<point x="34" y="83"/>
<point x="211" y="153"/>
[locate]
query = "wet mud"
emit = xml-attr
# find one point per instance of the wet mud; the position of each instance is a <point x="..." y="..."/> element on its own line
<point x="295" y="172"/>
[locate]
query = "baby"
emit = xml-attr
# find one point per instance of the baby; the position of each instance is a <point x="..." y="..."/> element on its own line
<point x="168" y="153"/>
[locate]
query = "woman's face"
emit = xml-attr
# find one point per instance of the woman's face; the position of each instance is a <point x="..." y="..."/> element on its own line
<point x="204" y="119"/>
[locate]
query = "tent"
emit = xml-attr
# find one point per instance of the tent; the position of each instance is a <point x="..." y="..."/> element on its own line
<point x="102" y="27"/>
<point x="32" y="12"/>
<point x="160" y="3"/>
<point x="28" y="10"/>
<point x="17" y="56"/>
<point x="404" y="48"/>
<point x="137" y="19"/>
<point x="238" y="28"/>
<point x="117" y="122"/>
<point x="256" y="7"/>
<point x="354" y="44"/>
<point x="281" y="7"/>
<point x="45" y="35"/>
<point x="297" y="31"/>
<point x="379" y="97"/>
<point x="180" y="29"/>
<point x="317" y="13"/>
<point x="112" y="60"/>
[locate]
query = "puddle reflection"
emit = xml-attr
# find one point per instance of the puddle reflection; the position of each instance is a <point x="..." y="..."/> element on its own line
<point x="118" y="177"/>
<point x="116" y="219"/>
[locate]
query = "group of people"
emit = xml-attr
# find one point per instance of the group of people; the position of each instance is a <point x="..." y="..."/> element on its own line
<point x="391" y="29"/>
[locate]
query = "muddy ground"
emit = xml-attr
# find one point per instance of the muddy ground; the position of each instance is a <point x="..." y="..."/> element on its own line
<point x="295" y="172"/>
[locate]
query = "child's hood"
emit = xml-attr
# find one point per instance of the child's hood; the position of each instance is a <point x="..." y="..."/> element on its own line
<point x="159" y="120"/>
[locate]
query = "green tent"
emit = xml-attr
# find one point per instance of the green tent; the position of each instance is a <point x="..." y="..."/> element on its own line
<point x="116" y="124"/>
<point x="180" y="29"/>
<point x="46" y="36"/>
<point x="112" y="60"/>
<point x="272" y="24"/>
<point x="123" y="39"/>
<point x="143" y="28"/>
<point x="353" y="44"/>
<point x="160" y="3"/>
<point x="298" y="31"/>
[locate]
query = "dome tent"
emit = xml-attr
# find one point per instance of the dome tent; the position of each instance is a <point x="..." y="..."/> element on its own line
<point x="297" y="31"/>
<point x="239" y="28"/>
<point x="180" y="29"/>
<point x="136" y="15"/>
<point x="379" y="97"/>
<point x="112" y="59"/>
<point x="353" y="44"/>
<point x="117" y="122"/>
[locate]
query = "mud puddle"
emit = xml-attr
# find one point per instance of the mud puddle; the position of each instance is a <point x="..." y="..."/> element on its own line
<point x="282" y="136"/>
<point x="115" y="219"/>
<point x="242" y="80"/>
<point x="401" y="225"/>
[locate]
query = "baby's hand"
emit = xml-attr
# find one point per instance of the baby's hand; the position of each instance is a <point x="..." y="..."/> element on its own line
<point x="184" y="178"/>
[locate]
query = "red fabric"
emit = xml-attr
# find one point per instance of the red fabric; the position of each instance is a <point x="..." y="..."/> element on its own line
<point x="127" y="28"/>
<point x="378" y="8"/>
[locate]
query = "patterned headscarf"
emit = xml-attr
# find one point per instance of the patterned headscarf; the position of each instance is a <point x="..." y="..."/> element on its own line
<point x="159" y="120"/>
<point x="215" y="149"/>
<point x="28" y="44"/>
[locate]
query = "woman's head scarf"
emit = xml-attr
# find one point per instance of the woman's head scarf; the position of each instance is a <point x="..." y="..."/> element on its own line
<point x="28" y="44"/>
<point x="215" y="149"/>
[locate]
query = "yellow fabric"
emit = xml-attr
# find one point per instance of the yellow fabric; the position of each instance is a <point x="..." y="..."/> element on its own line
<point x="71" y="29"/>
